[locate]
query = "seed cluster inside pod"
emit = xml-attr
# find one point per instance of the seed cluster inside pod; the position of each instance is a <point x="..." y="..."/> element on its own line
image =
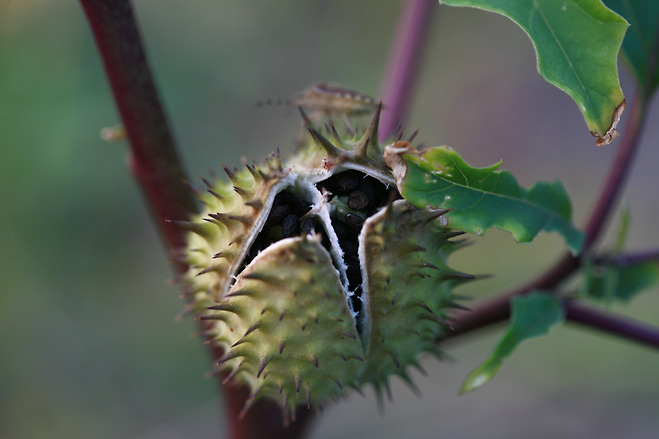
<point x="351" y="197"/>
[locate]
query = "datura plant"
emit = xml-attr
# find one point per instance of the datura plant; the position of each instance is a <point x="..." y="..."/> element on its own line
<point x="315" y="276"/>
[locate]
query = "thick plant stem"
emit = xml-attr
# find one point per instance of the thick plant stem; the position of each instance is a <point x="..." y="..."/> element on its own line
<point x="498" y="309"/>
<point x="154" y="160"/>
<point x="403" y="64"/>
<point x="156" y="165"/>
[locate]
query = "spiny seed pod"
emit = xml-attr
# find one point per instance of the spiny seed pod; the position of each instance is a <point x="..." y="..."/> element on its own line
<point x="316" y="276"/>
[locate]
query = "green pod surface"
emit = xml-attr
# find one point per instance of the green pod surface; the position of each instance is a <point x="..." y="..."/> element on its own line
<point x="315" y="276"/>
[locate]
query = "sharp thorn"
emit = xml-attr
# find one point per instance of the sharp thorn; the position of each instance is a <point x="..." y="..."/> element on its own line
<point x="427" y="265"/>
<point x="239" y="342"/>
<point x="388" y="391"/>
<point x="425" y="306"/>
<point x="229" y="172"/>
<point x="224" y="307"/>
<point x="262" y="364"/>
<point x="230" y="355"/>
<point x="252" y="328"/>
<point x="411" y="384"/>
<point x="394" y="357"/>
<point x="208" y="184"/>
<point x="215" y="194"/>
<point x="320" y="140"/>
<point x="434" y="318"/>
<point x="231" y="374"/>
<point x="414" y="134"/>
<point x="256" y="204"/>
<point x="305" y="119"/>
<point x="242" y="292"/>
<point x="242" y="192"/>
<point x="370" y="138"/>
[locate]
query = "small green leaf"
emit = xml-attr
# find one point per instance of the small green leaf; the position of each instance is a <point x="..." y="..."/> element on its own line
<point x="532" y="316"/>
<point x="577" y="44"/>
<point x="642" y="40"/>
<point x="481" y="198"/>
<point x="619" y="282"/>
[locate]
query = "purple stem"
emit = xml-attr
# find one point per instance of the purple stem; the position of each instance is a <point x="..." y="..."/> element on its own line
<point x="612" y="324"/>
<point x="154" y="159"/>
<point x="629" y="258"/>
<point x="403" y="64"/>
<point x="156" y="165"/>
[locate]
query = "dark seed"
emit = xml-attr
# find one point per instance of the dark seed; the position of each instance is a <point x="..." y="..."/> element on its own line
<point x="342" y="183"/>
<point x="277" y="214"/>
<point x="354" y="222"/>
<point x="347" y="181"/>
<point x="299" y="206"/>
<point x="307" y="227"/>
<point x="290" y="225"/>
<point x="358" y="200"/>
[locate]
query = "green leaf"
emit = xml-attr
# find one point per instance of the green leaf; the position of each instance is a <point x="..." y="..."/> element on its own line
<point x="532" y="316"/>
<point x="481" y="197"/>
<point x="577" y="44"/>
<point x="610" y="283"/>
<point x="642" y="40"/>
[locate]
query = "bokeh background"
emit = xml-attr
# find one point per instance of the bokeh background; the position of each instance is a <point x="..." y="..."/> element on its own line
<point x="88" y="343"/>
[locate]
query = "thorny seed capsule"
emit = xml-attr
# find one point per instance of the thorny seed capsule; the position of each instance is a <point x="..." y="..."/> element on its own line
<point x="315" y="276"/>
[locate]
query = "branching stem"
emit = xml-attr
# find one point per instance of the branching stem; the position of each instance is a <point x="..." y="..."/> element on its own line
<point x="498" y="309"/>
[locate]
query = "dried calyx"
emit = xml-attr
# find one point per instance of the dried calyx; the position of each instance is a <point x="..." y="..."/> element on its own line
<point x="316" y="276"/>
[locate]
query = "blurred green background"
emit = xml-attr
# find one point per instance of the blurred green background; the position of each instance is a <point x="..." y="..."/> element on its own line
<point x="88" y="343"/>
